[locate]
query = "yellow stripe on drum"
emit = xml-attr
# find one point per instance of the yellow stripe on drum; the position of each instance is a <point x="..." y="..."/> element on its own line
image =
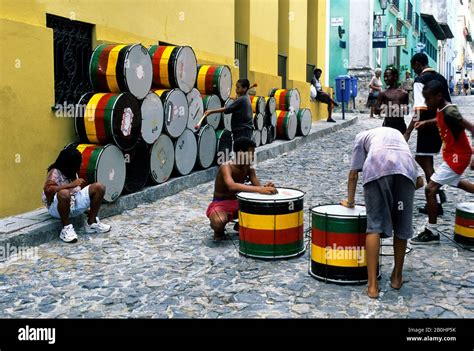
<point x="464" y="231"/>
<point x="111" y="69"/>
<point x="164" y="60"/>
<point x="338" y="257"/>
<point x="266" y="222"/>
<point x="159" y="92"/>
<point x="82" y="147"/>
<point x="201" y="80"/>
<point x="89" y="117"/>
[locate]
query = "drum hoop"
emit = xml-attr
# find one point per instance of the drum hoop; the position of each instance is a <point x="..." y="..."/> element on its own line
<point x="99" y="157"/>
<point x="274" y="200"/>
<point x="127" y="53"/>
<point x="336" y="216"/>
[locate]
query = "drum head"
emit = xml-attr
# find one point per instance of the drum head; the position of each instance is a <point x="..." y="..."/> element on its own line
<point x="259" y="121"/>
<point x="110" y="171"/>
<point x="126" y="121"/>
<point x="271" y="134"/>
<point x="224" y="145"/>
<point x="256" y="137"/>
<point x="304" y="121"/>
<point x="261" y="105"/>
<point x="152" y="118"/>
<point x="264" y="135"/>
<point x="283" y="195"/>
<point x="161" y="159"/>
<point x="467" y="207"/>
<point x="207" y="144"/>
<point x="186" y="69"/>
<point x="292" y="125"/>
<point x="228" y="116"/>
<point x="138" y="71"/>
<point x="176" y="112"/>
<point x="271" y="104"/>
<point x="339" y="211"/>
<point x="225" y="83"/>
<point x="212" y="102"/>
<point x="196" y="108"/>
<point x="185" y="152"/>
<point x="137" y="162"/>
<point x="295" y="99"/>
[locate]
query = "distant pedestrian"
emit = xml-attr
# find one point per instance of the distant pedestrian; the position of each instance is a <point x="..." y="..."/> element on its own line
<point x="66" y="196"/>
<point x="321" y="96"/>
<point x="375" y="88"/>
<point x="465" y="84"/>
<point x="451" y="85"/>
<point x="407" y="85"/>
<point x="392" y="102"/>
<point x="457" y="154"/>
<point x="428" y="142"/>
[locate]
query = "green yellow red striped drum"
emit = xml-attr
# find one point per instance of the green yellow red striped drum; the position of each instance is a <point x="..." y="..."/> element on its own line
<point x="464" y="224"/>
<point x="258" y="104"/>
<point x="271" y="226"/>
<point x="214" y="80"/>
<point x="152" y="117"/>
<point x="104" y="118"/>
<point x="270" y="104"/>
<point x="258" y="121"/>
<point x="304" y="119"/>
<point x="286" y="99"/>
<point x="286" y="124"/>
<point x="121" y="68"/>
<point x="104" y="164"/>
<point x="338" y="244"/>
<point x="173" y="67"/>
<point x="176" y="111"/>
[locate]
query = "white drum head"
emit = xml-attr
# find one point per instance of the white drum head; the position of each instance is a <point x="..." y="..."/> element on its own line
<point x="304" y="121"/>
<point x="207" y="145"/>
<point x="283" y="195"/>
<point x="152" y="118"/>
<point x="185" y="152"/>
<point x="259" y="119"/>
<point x="225" y="83"/>
<point x="292" y="125"/>
<point x="138" y="71"/>
<point x="111" y="171"/>
<point x="186" y="69"/>
<point x="176" y="113"/>
<point x="339" y="210"/>
<point x="228" y="116"/>
<point x="213" y="102"/>
<point x="257" y="137"/>
<point x="196" y="107"/>
<point x="264" y="135"/>
<point x="162" y="159"/>
<point x="466" y="207"/>
<point x="295" y="99"/>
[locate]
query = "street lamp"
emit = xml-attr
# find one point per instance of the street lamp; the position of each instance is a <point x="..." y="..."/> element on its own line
<point x="383" y="6"/>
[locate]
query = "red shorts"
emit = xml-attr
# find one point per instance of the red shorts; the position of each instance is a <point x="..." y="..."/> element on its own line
<point x="230" y="207"/>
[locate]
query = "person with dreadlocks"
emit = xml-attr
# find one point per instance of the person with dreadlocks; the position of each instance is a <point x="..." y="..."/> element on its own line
<point x="66" y="196"/>
<point x="393" y="102"/>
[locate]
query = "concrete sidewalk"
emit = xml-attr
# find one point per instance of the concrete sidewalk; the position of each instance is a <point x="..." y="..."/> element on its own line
<point x="37" y="227"/>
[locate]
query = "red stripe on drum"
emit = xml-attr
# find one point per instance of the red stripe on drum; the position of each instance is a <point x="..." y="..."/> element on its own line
<point x="156" y="59"/>
<point x="464" y="222"/>
<point x="209" y="84"/>
<point x="271" y="237"/>
<point x="99" y="121"/>
<point x="86" y="155"/>
<point x="101" y="74"/>
<point x="341" y="240"/>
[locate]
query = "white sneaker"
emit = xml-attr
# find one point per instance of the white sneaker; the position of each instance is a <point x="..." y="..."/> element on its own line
<point x="68" y="234"/>
<point x="97" y="227"/>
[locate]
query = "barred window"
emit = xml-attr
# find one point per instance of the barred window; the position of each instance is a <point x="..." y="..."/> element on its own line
<point x="241" y="59"/>
<point x="282" y="70"/>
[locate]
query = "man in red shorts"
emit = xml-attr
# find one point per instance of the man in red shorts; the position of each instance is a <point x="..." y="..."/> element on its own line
<point x="230" y="180"/>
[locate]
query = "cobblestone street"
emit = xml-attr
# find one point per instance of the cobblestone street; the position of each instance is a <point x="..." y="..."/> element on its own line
<point x="159" y="260"/>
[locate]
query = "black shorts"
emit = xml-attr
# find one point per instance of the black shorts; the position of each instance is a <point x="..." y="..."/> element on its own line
<point x="428" y="142"/>
<point x="397" y="123"/>
<point x="243" y="132"/>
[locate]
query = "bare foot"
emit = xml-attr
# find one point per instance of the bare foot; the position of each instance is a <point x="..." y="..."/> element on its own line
<point x="219" y="236"/>
<point x="373" y="292"/>
<point x="396" y="282"/>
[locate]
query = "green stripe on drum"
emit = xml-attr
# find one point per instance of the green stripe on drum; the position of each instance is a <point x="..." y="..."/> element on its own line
<point x="152" y="50"/>
<point x="94" y="65"/>
<point x="215" y="80"/>
<point x="339" y="225"/>
<point x="108" y="116"/>
<point x="271" y="208"/>
<point x="288" y="96"/>
<point x="464" y="214"/>
<point x="92" y="166"/>
<point x="271" y="251"/>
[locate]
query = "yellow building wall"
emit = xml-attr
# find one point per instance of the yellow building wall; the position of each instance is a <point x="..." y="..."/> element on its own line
<point x="31" y="135"/>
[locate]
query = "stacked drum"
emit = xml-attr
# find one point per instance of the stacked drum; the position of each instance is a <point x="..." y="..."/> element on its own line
<point x="290" y="119"/>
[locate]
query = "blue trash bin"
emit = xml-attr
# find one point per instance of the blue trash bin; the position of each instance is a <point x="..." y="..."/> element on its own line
<point x="354" y="85"/>
<point x="347" y="88"/>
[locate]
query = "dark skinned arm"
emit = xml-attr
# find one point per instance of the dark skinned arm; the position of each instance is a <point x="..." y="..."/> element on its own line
<point x="237" y="187"/>
<point x="351" y="189"/>
<point x="378" y="103"/>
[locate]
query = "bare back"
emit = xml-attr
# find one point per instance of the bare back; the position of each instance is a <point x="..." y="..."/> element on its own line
<point x="239" y="175"/>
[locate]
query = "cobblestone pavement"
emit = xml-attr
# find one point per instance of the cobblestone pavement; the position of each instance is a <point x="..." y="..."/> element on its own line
<point x="159" y="260"/>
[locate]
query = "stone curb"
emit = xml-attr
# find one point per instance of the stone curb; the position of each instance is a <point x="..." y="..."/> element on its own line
<point x="37" y="227"/>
